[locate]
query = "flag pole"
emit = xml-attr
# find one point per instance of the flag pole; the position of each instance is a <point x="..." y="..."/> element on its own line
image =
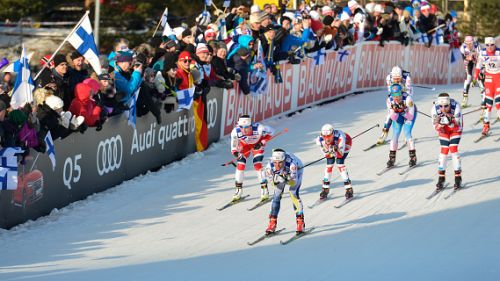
<point x="60" y="46"/>
<point x="159" y="22"/>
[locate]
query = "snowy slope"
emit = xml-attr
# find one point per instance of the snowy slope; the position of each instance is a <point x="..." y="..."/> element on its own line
<point x="165" y="226"/>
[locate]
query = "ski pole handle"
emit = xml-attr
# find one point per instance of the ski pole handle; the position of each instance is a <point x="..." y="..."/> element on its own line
<point x="367" y="130"/>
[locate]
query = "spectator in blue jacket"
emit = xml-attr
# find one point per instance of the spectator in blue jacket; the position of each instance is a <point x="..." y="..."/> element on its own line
<point x="128" y="78"/>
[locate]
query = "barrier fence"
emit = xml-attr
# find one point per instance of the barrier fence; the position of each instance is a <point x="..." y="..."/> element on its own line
<point x="94" y="161"/>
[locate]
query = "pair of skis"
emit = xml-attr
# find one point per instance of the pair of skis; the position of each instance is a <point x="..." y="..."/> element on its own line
<point x="233" y="202"/>
<point x="282" y="242"/>
<point x="322" y="200"/>
<point x="447" y="196"/>
<point x="408" y="168"/>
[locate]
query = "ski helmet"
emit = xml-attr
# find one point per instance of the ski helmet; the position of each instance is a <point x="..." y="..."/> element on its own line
<point x="396" y="90"/>
<point x="443" y="99"/>
<point x="278" y="155"/>
<point x="396" y="72"/>
<point x="489" y="40"/>
<point x="244" y="121"/>
<point x="468" y="39"/>
<point x="326" y="130"/>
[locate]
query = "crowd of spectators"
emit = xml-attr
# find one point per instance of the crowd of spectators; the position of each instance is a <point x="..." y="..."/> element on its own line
<point x="70" y="97"/>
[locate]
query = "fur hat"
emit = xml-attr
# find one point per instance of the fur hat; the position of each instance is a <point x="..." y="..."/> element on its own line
<point x="54" y="102"/>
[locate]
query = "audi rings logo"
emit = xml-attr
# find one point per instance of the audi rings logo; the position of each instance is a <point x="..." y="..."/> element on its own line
<point x="109" y="155"/>
<point x="211" y="113"/>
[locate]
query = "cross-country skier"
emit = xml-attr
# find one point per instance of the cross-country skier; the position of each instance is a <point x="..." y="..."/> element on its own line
<point x="335" y="145"/>
<point x="469" y="54"/>
<point x="403" y="112"/>
<point x="489" y="58"/>
<point x="448" y="122"/>
<point x="401" y="77"/>
<point x="246" y="138"/>
<point x="285" y="169"/>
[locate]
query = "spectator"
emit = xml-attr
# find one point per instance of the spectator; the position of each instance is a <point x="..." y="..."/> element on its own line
<point x="106" y="96"/>
<point x="8" y="136"/>
<point x="219" y="63"/>
<point x="58" y="80"/>
<point x="167" y="83"/>
<point x="184" y="71"/>
<point x="120" y="44"/>
<point x="242" y="66"/>
<point x="58" y="122"/>
<point x="76" y="73"/>
<point x="127" y="78"/>
<point x="427" y="23"/>
<point x="84" y="104"/>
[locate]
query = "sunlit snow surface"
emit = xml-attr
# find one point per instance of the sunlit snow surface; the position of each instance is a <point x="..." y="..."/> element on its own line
<point x="165" y="226"/>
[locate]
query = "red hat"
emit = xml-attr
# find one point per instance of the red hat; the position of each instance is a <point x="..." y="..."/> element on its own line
<point x="184" y="55"/>
<point x="210" y="32"/>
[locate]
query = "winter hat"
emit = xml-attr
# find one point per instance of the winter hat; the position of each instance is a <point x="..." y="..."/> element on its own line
<point x="352" y="3"/>
<point x="378" y="8"/>
<point x="344" y="16"/>
<point x="209" y="32"/>
<point x="425" y="7"/>
<point x="243" y="52"/>
<point x="104" y="76"/>
<point x="254" y="19"/>
<point x="201" y="48"/>
<point x="314" y="15"/>
<point x="184" y="56"/>
<point x="326" y="11"/>
<point x="186" y="33"/>
<point x="124" y="56"/>
<point x="169" y="61"/>
<point x="74" y="55"/>
<point x="268" y="28"/>
<point x="58" y="59"/>
<point x="93" y="84"/>
<point x="54" y="102"/>
<point x="18" y="117"/>
<point x="254" y="9"/>
<point x="328" y="20"/>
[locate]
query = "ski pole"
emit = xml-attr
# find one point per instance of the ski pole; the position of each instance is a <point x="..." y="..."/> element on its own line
<point x="424" y="87"/>
<point x="316" y="161"/>
<point x="425" y="114"/>
<point x="475" y="110"/>
<point x="235" y="159"/>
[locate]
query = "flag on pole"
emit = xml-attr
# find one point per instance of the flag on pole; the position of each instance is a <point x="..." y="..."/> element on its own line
<point x="83" y="41"/>
<point x="8" y="167"/>
<point x="222" y="29"/>
<point x="167" y="30"/>
<point x="24" y="85"/>
<point x="226" y="4"/>
<point x="185" y="98"/>
<point x="208" y="2"/>
<point x="258" y="78"/>
<point x="132" y="111"/>
<point x="164" y="17"/>
<point x="51" y="149"/>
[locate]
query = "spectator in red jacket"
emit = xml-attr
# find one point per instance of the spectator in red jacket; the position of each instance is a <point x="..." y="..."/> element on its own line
<point x="84" y="105"/>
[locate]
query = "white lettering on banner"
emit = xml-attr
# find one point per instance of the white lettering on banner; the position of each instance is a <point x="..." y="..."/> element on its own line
<point x="72" y="171"/>
<point x="109" y="155"/>
<point x="287" y="91"/>
<point x="211" y="114"/>
<point x="143" y="141"/>
<point x="230" y="109"/>
<point x="328" y="77"/>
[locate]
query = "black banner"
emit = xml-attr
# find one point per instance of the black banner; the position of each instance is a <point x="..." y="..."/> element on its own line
<point x="94" y="161"/>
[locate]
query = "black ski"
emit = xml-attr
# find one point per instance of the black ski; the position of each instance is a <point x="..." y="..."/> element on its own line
<point x="317" y="202"/>
<point x="233" y="202"/>
<point x="263" y="237"/>
<point x="436" y="192"/>
<point x="373" y="146"/>
<point x="453" y="192"/>
<point x="261" y="203"/>
<point x="386" y="169"/>
<point x="408" y="169"/>
<point x="482" y="137"/>
<point x="341" y="204"/>
<point x="297" y="236"/>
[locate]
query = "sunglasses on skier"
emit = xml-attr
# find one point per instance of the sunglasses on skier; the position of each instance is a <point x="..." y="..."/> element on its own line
<point x="444" y="106"/>
<point x="489" y="45"/>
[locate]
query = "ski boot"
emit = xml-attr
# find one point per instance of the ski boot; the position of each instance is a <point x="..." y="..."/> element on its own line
<point x="239" y="191"/>
<point x="413" y="158"/>
<point x="486" y="128"/>
<point x="300" y="224"/>
<point x="273" y="222"/>
<point x="458" y="179"/>
<point x="264" y="191"/>
<point x="440" y="183"/>
<point x="465" y="100"/>
<point x="349" y="193"/>
<point x="325" y="190"/>
<point x="392" y="159"/>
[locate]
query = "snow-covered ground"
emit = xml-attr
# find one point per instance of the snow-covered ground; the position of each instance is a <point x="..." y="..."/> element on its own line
<point x="165" y="226"/>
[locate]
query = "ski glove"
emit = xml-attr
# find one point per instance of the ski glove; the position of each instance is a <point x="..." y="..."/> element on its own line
<point x="236" y="154"/>
<point x="257" y="145"/>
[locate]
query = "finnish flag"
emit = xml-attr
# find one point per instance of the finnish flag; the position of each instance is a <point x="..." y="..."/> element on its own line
<point x="185" y="98"/>
<point x="226" y="4"/>
<point x="132" y="111"/>
<point x="8" y="167"/>
<point x="24" y="85"/>
<point x="51" y="149"/>
<point x="83" y="41"/>
<point x="318" y="56"/>
<point x="167" y="31"/>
